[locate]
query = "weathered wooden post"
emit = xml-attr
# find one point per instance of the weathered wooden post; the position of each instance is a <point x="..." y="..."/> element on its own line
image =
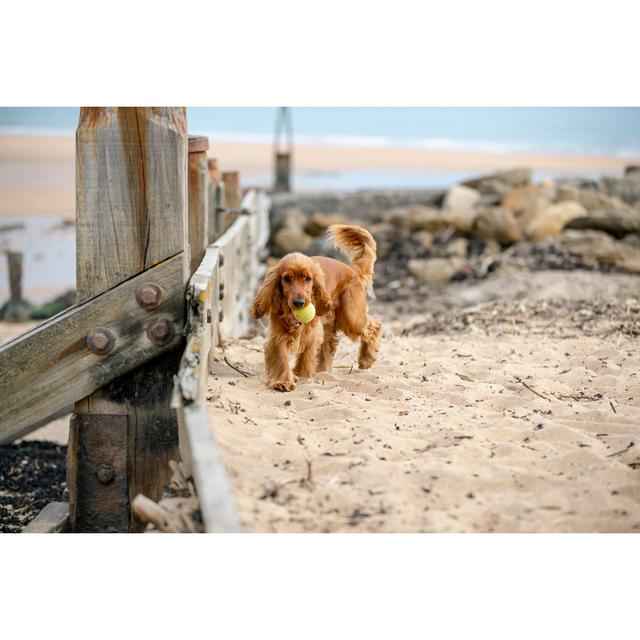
<point x="198" y="223"/>
<point x="131" y="217"/>
<point x="282" y="159"/>
<point x="231" y="198"/>
<point x="283" y="171"/>
<point x="17" y="309"/>
<point x="215" y="199"/>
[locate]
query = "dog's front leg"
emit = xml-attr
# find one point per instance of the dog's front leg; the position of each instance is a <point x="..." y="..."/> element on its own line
<point x="279" y="376"/>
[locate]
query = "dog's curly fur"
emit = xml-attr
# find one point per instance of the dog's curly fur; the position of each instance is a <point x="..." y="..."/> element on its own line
<point x="339" y="293"/>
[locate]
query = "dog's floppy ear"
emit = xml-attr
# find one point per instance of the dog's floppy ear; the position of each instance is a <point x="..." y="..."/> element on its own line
<point x="321" y="299"/>
<point x="267" y="299"/>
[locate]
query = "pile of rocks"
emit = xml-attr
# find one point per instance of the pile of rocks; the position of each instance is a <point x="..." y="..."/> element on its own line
<point x="483" y="223"/>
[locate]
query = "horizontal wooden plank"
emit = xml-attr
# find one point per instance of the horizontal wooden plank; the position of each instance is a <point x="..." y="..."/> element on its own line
<point x="197" y="447"/>
<point x="202" y="460"/>
<point x="50" y="367"/>
<point x="54" y="518"/>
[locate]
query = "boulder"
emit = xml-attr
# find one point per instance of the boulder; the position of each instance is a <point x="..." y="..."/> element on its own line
<point x="524" y="198"/>
<point x="632" y="171"/>
<point x="318" y="223"/>
<point x="494" y="223"/>
<point x="420" y="218"/>
<point x="592" y="200"/>
<point x="289" y="239"/>
<point x="615" y="223"/>
<point x="460" y="203"/>
<point x="290" y="218"/>
<point x="456" y="247"/>
<point x="625" y="189"/>
<point x="600" y="247"/>
<point x="435" y="270"/>
<point x="501" y="182"/>
<point x="550" y="221"/>
<point x="424" y="239"/>
<point x="591" y="246"/>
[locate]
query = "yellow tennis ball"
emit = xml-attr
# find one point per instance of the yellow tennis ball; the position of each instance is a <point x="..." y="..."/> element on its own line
<point x="305" y="315"/>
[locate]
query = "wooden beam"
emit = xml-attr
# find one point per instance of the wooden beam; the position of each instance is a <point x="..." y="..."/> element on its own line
<point x="198" y="221"/>
<point x="51" y="366"/>
<point x="230" y="199"/>
<point x="131" y="190"/>
<point x="54" y="518"/>
<point x="215" y="200"/>
<point x="197" y="447"/>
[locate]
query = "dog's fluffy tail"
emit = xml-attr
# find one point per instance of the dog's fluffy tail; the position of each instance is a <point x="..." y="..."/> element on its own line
<point x="357" y="244"/>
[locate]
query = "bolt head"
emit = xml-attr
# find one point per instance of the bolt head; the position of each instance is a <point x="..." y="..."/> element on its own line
<point x="160" y="331"/>
<point x="208" y="316"/>
<point x="105" y="473"/>
<point x="100" y="341"/>
<point x="149" y="295"/>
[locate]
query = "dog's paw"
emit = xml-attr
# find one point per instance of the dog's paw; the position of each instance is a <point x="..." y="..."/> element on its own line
<point x="366" y="362"/>
<point x="283" y="385"/>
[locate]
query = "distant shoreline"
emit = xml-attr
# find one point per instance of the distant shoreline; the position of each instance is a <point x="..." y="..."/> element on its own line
<point x="37" y="173"/>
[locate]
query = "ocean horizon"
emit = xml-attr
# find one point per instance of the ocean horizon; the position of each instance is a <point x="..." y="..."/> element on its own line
<point x="608" y="131"/>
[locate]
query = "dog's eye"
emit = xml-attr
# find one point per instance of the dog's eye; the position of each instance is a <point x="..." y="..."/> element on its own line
<point x="307" y="278"/>
<point x="287" y="279"/>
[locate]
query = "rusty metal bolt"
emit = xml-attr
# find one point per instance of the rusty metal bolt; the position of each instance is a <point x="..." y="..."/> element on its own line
<point x="160" y="331"/>
<point x="208" y="316"/>
<point x="100" y="341"/>
<point x="105" y="473"/>
<point x="221" y="316"/>
<point x="149" y="295"/>
<point x="221" y="296"/>
<point x="221" y="261"/>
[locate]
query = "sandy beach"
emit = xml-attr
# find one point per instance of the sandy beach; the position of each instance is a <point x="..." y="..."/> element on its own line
<point x="37" y="173"/>
<point x="509" y="429"/>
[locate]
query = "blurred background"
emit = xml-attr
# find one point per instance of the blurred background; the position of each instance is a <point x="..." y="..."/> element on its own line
<point x="330" y="149"/>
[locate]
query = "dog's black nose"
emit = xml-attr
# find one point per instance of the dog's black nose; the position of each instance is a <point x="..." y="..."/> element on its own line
<point x="298" y="303"/>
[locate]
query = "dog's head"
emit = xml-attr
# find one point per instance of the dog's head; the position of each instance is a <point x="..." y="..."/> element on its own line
<point x="292" y="284"/>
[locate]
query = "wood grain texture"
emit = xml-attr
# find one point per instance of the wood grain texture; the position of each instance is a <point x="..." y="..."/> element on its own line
<point x="131" y="168"/>
<point x="235" y="276"/>
<point x="231" y="198"/>
<point x="215" y="201"/>
<point x="97" y="472"/>
<point x="132" y="196"/>
<point x="197" y="447"/>
<point x="48" y="368"/>
<point x="198" y="216"/>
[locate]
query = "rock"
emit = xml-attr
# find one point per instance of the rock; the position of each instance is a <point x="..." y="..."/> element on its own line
<point x="319" y="222"/>
<point x="456" y="247"/>
<point x="289" y="239"/>
<point x="501" y="182"/>
<point x="420" y="218"/>
<point x="520" y="200"/>
<point x="424" y="238"/>
<point x="492" y="248"/>
<point x="435" y="270"/>
<point x="497" y="224"/>
<point x="592" y="246"/>
<point x="625" y="189"/>
<point x="598" y="246"/>
<point x="632" y="171"/>
<point x="616" y="224"/>
<point x="592" y="200"/>
<point x="550" y="221"/>
<point x="291" y="218"/>
<point x="459" y="203"/>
